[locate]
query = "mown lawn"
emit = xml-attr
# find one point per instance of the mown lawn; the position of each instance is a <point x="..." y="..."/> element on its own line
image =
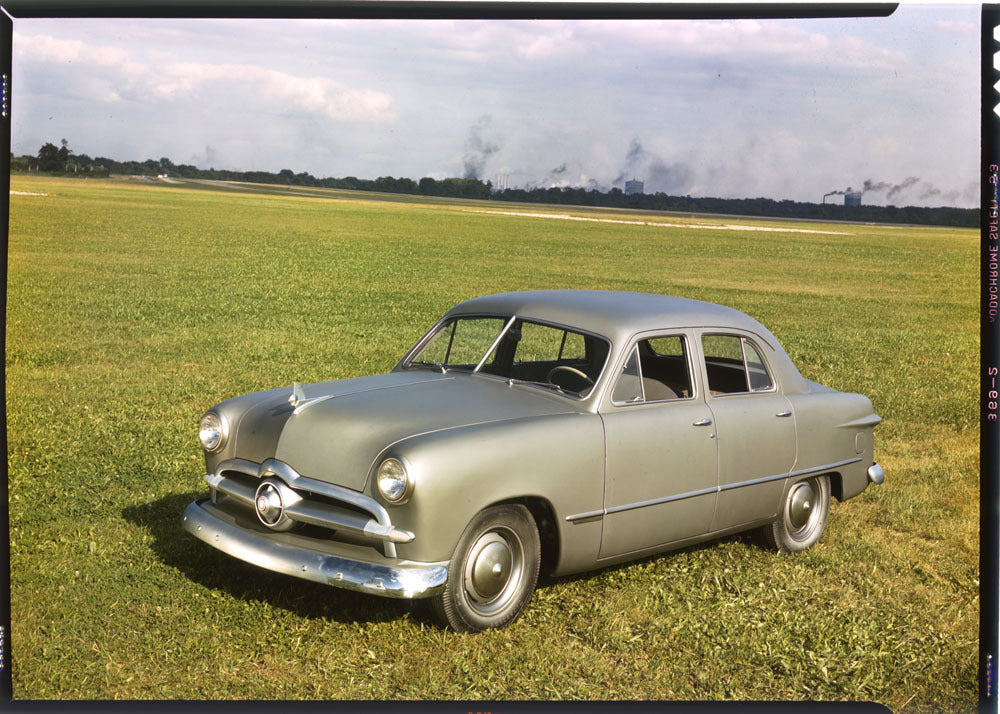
<point x="131" y="308"/>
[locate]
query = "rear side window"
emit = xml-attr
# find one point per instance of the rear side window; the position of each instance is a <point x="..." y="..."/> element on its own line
<point x="760" y="380"/>
<point x="734" y="365"/>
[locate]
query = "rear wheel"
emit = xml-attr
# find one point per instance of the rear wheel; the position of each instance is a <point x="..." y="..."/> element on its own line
<point x="493" y="572"/>
<point x="803" y="516"/>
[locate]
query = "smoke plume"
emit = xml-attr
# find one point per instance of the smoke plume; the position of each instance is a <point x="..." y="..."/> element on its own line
<point x="555" y="175"/>
<point x="656" y="173"/>
<point x="894" y="192"/>
<point x="636" y="155"/>
<point x="912" y="188"/>
<point x="670" y="178"/>
<point x="839" y="193"/>
<point x="478" y="149"/>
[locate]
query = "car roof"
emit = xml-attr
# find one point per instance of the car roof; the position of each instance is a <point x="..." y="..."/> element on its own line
<point x="613" y="314"/>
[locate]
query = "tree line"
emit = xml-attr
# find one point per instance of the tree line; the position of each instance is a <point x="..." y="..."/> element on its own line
<point x="616" y="198"/>
<point x="61" y="160"/>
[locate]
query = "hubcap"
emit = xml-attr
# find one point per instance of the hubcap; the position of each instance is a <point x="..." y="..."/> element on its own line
<point x="269" y="506"/>
<point x="493" y="570"/>
<point x="800" y="505"/>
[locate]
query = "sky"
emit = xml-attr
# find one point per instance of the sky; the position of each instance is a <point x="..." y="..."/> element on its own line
<point x="782" y="109"/>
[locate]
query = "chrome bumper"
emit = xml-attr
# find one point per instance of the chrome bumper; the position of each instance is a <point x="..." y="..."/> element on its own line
<point x="396" y="582"/>
<point x="875" y="474"/>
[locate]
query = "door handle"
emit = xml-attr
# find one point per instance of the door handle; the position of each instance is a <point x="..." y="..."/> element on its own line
<point x="703" y="422"/>
<point x="786" y="413"/>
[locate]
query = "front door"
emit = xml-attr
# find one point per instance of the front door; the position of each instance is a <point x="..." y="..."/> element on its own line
<point x="661" y="458"/>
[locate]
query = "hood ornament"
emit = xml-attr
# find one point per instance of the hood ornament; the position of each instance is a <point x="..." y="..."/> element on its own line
<point x="298" y="395"/>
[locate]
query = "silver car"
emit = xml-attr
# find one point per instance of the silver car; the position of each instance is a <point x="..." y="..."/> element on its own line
<point x="562" y="430"/>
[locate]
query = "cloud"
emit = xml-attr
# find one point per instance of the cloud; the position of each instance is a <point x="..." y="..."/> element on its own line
<point x="784" y="108"/>
<point x="558" y="41"/>
<point x="750" y="41"/>
<point x="641" y="45"/>
<point x="258" y="85"/>
<point x="214" y="86"/>
<point x="959" y="28"/>
<point x="44" y="48"/>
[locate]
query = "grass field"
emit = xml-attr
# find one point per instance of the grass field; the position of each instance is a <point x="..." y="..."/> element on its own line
<point x="131" y="308"/>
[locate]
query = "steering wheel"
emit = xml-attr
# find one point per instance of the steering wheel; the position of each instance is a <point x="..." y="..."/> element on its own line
<point x="571" y="370"/>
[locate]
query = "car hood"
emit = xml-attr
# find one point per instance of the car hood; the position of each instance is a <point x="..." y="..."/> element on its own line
<point x="336" y="434"/>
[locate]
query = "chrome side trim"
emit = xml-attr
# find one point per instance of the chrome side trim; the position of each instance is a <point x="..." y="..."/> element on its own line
<point x="792" y="474"/>
<point x="657" y="501"/>
<point x="400" y="581"/>
<point x="753" y="482"/>
<point x="585" y="516"/>
<point x="825" y="467"/>
<point x="715" y="489"/>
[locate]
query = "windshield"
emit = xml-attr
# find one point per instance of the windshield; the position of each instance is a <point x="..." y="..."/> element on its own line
<point x="517" y="349"/>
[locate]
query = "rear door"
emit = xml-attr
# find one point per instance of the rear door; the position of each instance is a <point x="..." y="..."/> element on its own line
<point x="755" y="427"/>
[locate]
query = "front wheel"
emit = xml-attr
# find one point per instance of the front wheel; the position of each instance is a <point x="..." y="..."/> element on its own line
<point x="493" y="572"/>
<point x="803" y="516"/>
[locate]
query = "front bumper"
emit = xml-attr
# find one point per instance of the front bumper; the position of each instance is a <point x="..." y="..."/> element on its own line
<point x="402" y="580"/>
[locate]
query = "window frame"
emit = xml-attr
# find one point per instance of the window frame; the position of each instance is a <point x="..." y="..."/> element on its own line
<point x="634" y="349"/>
<point x="746" y="367"/>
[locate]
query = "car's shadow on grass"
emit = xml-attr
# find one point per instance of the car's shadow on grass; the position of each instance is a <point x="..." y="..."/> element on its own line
<point x="750" y="538"/>
<point x="219" y="572"/>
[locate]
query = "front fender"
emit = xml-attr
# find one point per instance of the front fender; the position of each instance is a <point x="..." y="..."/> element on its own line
<point x="459" y="472"/>
<point x="234" y="410"/>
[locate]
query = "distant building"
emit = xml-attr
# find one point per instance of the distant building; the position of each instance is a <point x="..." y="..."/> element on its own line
<point x="852" y="199"/>
<point x="633" y="187"/>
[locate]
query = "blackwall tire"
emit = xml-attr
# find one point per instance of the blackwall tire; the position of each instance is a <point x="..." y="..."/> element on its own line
<point x="493" y="571"/>
<point x="803" y="516"/>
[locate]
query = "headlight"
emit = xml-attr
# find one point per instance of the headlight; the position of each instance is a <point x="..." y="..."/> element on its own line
<point x="393" y="482"/>
<point x="212" y="431"/>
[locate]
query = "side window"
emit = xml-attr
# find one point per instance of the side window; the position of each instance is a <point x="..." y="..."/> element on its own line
<point x="573" y="347"/>
<point x="667" y="346"/>
<point x="538" y="343"/>
<point x="760" y="380"/>
<point x="665" y="372"/>
<point x="734" y="365"/>
<point x="628" y="388"/>
<point x="724" y="364"/>
<point x="657" y="370"/>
